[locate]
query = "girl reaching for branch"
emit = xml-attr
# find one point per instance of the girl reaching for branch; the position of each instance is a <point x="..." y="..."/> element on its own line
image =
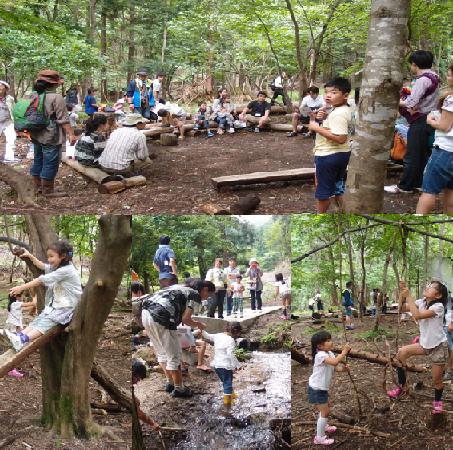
<point x="429" y="312"/>
<point x="63" y="293"/>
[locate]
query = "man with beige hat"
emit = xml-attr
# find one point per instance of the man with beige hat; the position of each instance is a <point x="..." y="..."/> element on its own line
<point x="126" y="152"/>
<point x="6" y="123"/>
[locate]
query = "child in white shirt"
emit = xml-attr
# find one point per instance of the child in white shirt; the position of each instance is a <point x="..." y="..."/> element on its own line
<point x="225" y="361"/>
<point x="324" y="365"/>
<point x="429" y="312"/>
<point x="238" y="296"/>
<point x="283" y="291"/>
<point x="15" y="312"/>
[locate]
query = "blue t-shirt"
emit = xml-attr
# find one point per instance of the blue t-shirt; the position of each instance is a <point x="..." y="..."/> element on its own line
<point x="162" y="258"/>
<point x="89" y="102"/>
<point x="347" y="299"/>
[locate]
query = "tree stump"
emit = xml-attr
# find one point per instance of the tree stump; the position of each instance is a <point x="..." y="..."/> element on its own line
<point x="168" y="139"/>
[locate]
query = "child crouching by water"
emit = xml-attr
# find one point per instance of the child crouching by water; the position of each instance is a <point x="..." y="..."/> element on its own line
<point x="225" y="361"/>
<point x="63" y="293"/>
<point x="324" y="364"/>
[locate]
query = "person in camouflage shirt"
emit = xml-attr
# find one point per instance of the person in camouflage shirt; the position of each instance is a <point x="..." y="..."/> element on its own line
<point x="161" y="315"/>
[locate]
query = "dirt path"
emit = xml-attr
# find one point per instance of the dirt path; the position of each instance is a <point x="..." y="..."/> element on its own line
<point x="179" y="181"/>
<point x="20" y="400"/>
<point x="404" y="420"/>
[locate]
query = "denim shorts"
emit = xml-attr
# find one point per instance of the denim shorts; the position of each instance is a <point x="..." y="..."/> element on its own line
<point x="438" y="173"/>
<point x="330" y="170"/>
<point x="317" y="396"/>
<point x="449" y="338"/>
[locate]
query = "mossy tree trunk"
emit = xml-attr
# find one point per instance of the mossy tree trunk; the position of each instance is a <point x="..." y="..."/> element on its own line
<point x="66" y="362"/>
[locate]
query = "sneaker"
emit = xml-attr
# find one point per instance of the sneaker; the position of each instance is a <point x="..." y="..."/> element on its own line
<point x="394" y="189"/>
<point x="331" y="428"/>
<point x="323" y="441"/>
<point x="395" y="393"/>
<point x="257" y="130"/>
<point x="438" y="407"/>
<point x="169" y="387"/>
<point x="196" y="127"/>
<point x="15" y="374"/>
<point x="220" y="131"/>
<point x="14" y="340"/>
<point x="210" y="134"/>
<point x="448" y="376"/>
<point x="231" y="130"/>
<point x="291" y="134"/>
<point x="185" y="392"/>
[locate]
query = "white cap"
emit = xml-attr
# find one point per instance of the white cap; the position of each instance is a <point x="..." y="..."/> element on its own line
<point x="4" y="84"/>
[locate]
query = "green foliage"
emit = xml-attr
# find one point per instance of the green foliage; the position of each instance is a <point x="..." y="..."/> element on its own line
<point x="371" y="335"/>
<point x="242" y="355"/>
<point x="277" y="335"/>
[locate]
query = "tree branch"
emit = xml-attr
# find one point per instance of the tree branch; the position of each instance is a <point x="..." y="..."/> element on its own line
<point x="15" y="242"/>
<point x="20" y="184"/>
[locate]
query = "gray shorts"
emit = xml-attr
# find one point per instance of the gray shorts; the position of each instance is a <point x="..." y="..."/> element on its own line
<point x="48" y="319"/>
<point x="439" y="354"/>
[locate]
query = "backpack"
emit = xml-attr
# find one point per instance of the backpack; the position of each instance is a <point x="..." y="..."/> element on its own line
<point x="29" y="113"/>
<point x="398" y="151"/>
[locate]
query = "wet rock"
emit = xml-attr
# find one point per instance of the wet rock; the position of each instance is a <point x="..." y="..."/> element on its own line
<point x="257" y="389"/>
<point x="247" y="344"/>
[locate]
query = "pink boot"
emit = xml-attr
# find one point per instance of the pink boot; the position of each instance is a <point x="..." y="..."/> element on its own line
<point x="331" y="429"/>
<point x="438" y="407"/>
<point x="395" y="393"/>
<point x="416" y="340"/>
<point x="15" y="374"/>
<point x="323" y="441"/>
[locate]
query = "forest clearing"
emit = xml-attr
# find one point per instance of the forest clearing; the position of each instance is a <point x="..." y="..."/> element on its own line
<point x="366" y="322"/>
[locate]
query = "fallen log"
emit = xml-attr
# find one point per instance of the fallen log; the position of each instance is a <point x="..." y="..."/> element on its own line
<point x="275" y="109"/>
<point x="157" y="131"/>
<point x="118" y="393"/>
<point x="189" y="126"/>
<point x="98" y="175"/>
<point x="264" y="177"/>
<point x="168" y="139"/>
<point x="371" y="357"/>
<point x="273" y="120"/>
<point x="113" y="187"/>
<point x="10" y="359"/>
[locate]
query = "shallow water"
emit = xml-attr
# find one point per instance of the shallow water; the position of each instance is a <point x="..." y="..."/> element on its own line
<point x="247" y="424"/>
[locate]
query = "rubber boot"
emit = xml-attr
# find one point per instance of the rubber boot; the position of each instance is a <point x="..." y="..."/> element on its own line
<point x="227" y="400"/>
<point x="37" y="183"/>
<point x="48" y="189"/>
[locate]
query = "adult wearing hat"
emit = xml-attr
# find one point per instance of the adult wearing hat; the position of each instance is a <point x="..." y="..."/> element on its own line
<point x="140" y="94"/>
<point x="126" y="152"/>
<point x="254" y="274"/>
<point x="6" y="123"/>
<point x="48" y="142"/>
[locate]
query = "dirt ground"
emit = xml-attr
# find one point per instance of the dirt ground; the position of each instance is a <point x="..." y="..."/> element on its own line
<point x="404" y="420"/>
<point x="180" y="180"/>
<point x="20" y="400"/>
<point x="263" y="388"/>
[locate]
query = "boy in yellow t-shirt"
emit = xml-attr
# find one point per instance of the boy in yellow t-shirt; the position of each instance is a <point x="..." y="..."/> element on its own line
<point x="332" y="150"/>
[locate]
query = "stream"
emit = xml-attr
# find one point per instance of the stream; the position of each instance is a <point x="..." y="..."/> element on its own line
<point x="260" y="416"/>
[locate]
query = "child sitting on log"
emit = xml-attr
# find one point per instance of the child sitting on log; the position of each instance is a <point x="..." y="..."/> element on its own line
<point x="202" y="119"/>
<point x="430" y="313"/>
<point x="225" y="361"/>
<point x="92" y="143"/>
<point x="325" y="363"/>
<point x="63" y="293"/>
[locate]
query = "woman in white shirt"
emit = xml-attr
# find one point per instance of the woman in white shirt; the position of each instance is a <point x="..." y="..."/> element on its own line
<point x="325" y="363"/>
<point x="429" y="312"/>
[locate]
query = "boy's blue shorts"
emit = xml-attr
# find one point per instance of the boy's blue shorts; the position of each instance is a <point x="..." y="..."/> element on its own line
<point x="330" y="170"/>
<point x="438" y="173"/>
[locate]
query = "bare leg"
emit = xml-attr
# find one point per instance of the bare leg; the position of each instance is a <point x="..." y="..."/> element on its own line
<point x="32" y="333"/>
<point x="322" y="206"/>
<point x="437" y="372"/>
<point x="426" y="203"/>
<point x="339" y="201"/>
<point x="295" y="121"/>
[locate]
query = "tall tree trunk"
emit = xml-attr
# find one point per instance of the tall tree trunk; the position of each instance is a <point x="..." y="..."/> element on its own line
<point x="66" y="361"/>
<point x="333" y="279"/>
<point x="381" y="84"/>
<point x="131" y="49"/>
<point x="104" y="91"/>
<point x="363" y="267"/>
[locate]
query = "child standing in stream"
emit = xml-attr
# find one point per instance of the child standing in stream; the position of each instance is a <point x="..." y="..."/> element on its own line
<point x="325" y="363"/>
<point x="225" y="361"/>
<point x="63" y="293"/>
